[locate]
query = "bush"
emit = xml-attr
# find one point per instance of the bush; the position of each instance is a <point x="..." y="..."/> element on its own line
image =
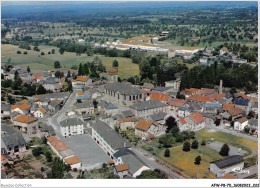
<point x="167" y="153"/>
<point x="203" y="142"/>
<point x="48" y="156"/>
<point x="197" y="160"/>
<point x="195" y="144"/>
<point x="42" y="53"/>
<point x="25" y="53"/>
<point x="37" y="151"/>
<point x="18" y="52"/>
<point x="186" y="146"/>
<point x="224" y="150"/>
<point x="42" y="169"/>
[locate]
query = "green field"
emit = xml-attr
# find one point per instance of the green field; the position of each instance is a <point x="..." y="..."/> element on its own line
<point x="39" y="63"/>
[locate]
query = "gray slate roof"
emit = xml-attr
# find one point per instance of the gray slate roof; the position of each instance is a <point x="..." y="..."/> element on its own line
<point x="145" y="105"/>
<point x="71" y="121"/>
<point x="122" y="152"/>
<point x="127" y="113"/>
<point x="48" y="129"/>
<point x="110" y="106"/>
<point x="158" y="88"/>
<point x="111" y="136"/>
<point x="11" y="137"/>
<point x="253" y="122"/>
<point x="123" y="88"/>
<point x="228" y="161"/>
<point x="5" y="107"/>
<point x="134" y="164"/>
<point x="83" y="105"/>
<point x="159" y="116"/>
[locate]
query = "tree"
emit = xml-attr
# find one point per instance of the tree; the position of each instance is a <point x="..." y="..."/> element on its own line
<point x="195" y="144"/>
<point x="28" y="69"/>
<point x="80" y="71"/>
<point x="186" y="146"/>
<point x="85" y="70"/>
<point x="18" y="52"/>
<point x="167" y="153"/>
<point x="10" y="99"/>
<point x="25" y="53"/>
<point x="58" y="168"/>
<point x="36" y="49"/>
<point x="61" y="50"/>
<point x="49" y="52"/>
<point x="37" y="151"/>
<point x="203" y="142"/>
<point x="74" y="67"/>
<point x="251" y="114"/>
<point x="57" y="64"/>
<point x="48" y="156"/>
<point x="115" y="63"/>
<point x="41" y="90"/>
<point x="53" y="51"/>
<point x="224" y="150"/>
<point x="95" y="103"/>
<point x="233" y="91"/>
<point x="167" y="140"/>
<point x="149" y="174"/>
<point x="197" y="160"/>
<point x="170" y="123"/>
<point x="68" y="74"/>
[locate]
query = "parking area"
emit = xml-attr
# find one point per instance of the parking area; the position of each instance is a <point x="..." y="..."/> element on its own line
<point x="216" y="145"/>
<point x="91" y="155"/>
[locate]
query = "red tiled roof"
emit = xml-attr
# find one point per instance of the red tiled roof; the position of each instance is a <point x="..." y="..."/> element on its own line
<point x="59" y="145"/>
<point x="206" y="91"/>
<point x="113" y="72"/>
<point x="183" y="121"/>
<point x="218" y="96"/>
<point x="227" y="106"/>
<point x="145" y="124"/>
<point x="192" y="90"/>
<point x="25" y="119"/>
<point x="197" y="117"/>
<point x="121" y="167"/>
<point x="23" y="106"/>
<point x="201" y="98"/>
<point x="160" y="96"/>
<point x="82" y="78"/>
<point x="72" y="160"/>
<point x="125" y="120"/>
<point x="242" y="120"/>
<point x="2" y="158"/>
<point x="229" y="176"/>
<point x="52" y="139"/>
<point x="176" y="103"/>
<point x="234" y="111"/>
<point x="244" y="96"/>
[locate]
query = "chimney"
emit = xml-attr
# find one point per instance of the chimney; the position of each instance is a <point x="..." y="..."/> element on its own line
<point x="220" y="87"/>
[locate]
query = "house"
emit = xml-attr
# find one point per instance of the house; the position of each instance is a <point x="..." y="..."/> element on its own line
<point x="223" y="51"/>
<point x="226" y="165"/>
<point x="182" y="124"/>
<point x="147" y="108"/>
<point x="50" y="83"/>
<point x="212" y="107"/>
<point x="37" y="77"/>
<point x="187" y="56"/>
<point x="45" y="131"/>
<point x="184" y="111"/>
<point x="200" y="99"/>
<point x="5" y="111"/>
<point x="175" y="103"/>
<point x="203" y="60"/>
<point x="123" y="93"/>
<point x="107" y="138"/>
<point x="241" y="103"/>
<point x="121" y="170"/>
<point x="135" y="165"/>
<point x="189" y="92"/>
<point x="148" y="86"/>
<point x="95" y="93"/>
<point x="127" y="123"/>
<point x="81" y="82"/>
<point x="110" y="109"/>
<point x="113" y="75"/>
<point x="71" y="127"/>
<point x="84" y="108"/>
<point x="127" y="114"/>
<point x="55" y="106"/>
<point x="240" y="124"/>
<point x="23" y="108"/>
<point x="12" y="141"/>
<point x="74" y="162"/>
<point x="147" y="129"/>
<point x="206" y="92"/>
<point x="231" y="112"/>
<point x="159" y="117"/>
<point x="40" y="113"/>
<point x="58" y="147"/>
<point x="25" y="123"/>
<point x="253" y="125"/>
<point x="195" y="121"/>
<point x="171" y="53"/>
<point x="159" y="89"/>
<point x="175" y="84"/>
<point x="163" y="97"/>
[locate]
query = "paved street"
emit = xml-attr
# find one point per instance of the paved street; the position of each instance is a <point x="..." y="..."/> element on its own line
<point x="150" y="161"/>
<point x="232" y="132"/>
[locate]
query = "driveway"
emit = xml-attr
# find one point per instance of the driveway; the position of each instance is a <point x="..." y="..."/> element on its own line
<point x="91" y="155"/>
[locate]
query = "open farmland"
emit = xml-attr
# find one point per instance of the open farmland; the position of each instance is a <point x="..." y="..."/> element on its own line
<point x="38" y="62"/>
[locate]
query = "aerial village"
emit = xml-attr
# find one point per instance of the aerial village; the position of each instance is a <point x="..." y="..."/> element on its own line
<point x="104" y="124"/>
